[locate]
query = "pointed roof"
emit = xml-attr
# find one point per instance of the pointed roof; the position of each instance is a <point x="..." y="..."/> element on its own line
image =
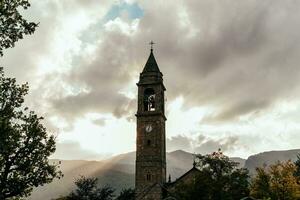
<point x="193" y="170"/>
<point x="151" y="65"/>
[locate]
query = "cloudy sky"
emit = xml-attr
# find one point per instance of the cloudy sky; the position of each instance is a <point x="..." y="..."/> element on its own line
<point x="231" y="69"/>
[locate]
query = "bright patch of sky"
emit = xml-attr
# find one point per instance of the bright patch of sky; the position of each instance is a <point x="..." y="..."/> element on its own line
<point x="108" y="139"/>
<point x="132" y="10"/>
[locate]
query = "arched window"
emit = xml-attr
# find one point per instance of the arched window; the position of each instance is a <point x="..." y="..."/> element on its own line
<point x="149" y="100"/>
<point x="148" y="142"/>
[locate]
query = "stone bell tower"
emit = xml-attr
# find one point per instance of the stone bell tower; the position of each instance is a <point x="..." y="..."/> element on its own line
<point x="151" y="136"/>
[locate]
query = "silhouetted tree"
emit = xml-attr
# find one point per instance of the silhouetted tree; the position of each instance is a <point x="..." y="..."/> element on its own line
<point x="218" y="179"/>
<point x="297" y="171"/>
<point x="86" y="189"/>
<point x="12" y="25"/>
<point x="24" y="144"/>
<point x="126" y="194"/>
<point x="260" y="186"/>
<point x="276" y="182"/>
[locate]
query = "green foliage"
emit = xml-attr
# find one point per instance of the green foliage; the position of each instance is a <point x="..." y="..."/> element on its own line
<point x="297" y="171"/>
<point x="126" y="194"/>
<point x="261" y="184"/>
<point x="24" y="144"/>
<point x="218" y="179"/>
<point x="12" y="25"/>
<point x="276" y="182"/>
<point x="87" y="190"/>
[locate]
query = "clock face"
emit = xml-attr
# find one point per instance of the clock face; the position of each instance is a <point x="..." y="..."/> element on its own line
<point x="149" y="128"/>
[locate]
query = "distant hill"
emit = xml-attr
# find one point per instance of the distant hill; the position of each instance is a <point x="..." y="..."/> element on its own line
<point x="241" y="161"/>
<point x="119" y="170"/>
<point x="270" y="157"/>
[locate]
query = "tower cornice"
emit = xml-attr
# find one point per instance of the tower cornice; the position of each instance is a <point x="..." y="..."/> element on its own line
<point x="151" y="83"/>
<point x="151" y="113"/>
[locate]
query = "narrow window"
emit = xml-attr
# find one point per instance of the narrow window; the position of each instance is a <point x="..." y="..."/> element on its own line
<point x="148" y="142"/>
<point x="148" y="177"/>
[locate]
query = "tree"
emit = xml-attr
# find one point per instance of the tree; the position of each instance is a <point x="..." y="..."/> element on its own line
<point x="87" y="190"/>
<point x="297" y="171"/>
<point x="126" y="194"/>
<point x="24" y="144"/>
<point x="260" y="186"/>
<point x="276" y="182"/>
<point x="12" y="25"/>
<point x="218" y="179"/>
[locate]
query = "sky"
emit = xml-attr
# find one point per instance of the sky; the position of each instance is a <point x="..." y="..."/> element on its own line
<point x="231" y="69"/>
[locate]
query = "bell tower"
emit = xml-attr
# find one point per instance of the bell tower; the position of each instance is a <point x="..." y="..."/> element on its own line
<point x="151" y="137"/>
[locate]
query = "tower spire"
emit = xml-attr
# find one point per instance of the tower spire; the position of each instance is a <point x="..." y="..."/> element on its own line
<point x="151" y="65"/>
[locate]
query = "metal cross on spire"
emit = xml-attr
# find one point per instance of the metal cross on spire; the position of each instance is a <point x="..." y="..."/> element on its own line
<point x="151" y="44"/>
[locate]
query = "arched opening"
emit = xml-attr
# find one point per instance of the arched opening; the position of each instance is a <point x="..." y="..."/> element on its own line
<point x="149" y="100"/>
<point x="148" y="142"/>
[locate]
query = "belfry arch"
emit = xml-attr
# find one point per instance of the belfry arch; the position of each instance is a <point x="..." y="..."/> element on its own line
<point x="149" y="100"/>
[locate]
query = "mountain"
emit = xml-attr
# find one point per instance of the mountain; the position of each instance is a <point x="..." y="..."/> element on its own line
<point x="270" y="157"/>
<point x="119" y="170"/>
<point x="239" y="160"/>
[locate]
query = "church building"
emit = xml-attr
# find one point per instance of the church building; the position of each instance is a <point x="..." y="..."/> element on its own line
<point x="150" y="176"/>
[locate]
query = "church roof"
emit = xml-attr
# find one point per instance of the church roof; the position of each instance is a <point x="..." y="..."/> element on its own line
<point x="151" y="65"/>
<point x="191" y="171"/>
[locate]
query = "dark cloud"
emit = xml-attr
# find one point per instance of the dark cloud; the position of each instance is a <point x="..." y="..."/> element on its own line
<point x="179" y="142"/>
<point x="238" y="109"/>
<point x="205" y="145"/>
<point x="103" y="77"/>
<point x="201" y="144"/>
<point x="243" y="58"/>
